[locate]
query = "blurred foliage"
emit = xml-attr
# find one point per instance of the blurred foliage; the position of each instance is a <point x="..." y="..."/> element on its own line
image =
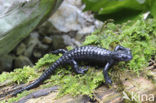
<point x="120" y="9"/>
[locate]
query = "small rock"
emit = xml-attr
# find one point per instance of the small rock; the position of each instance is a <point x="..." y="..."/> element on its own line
<point x="20" y="49"/>
<point x="31" y="42"/>
<point x="84" y="31"/>
<point x="22" y="61"/>
<point x="6" y="63"/>
<point x="47" y="40"/>
<point x="70" y="41"/>
<point x="58" y="42"/>
<point x="37" y="54"/>
<point x="34" y="46"/>
<point x="63" y="41"/>
<point x="42" y="46"/>
<point x="66" y="18"/>
<point x="47" y="28"/>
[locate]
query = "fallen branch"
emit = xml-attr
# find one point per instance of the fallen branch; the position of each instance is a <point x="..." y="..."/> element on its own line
<point x="39" y="93"/>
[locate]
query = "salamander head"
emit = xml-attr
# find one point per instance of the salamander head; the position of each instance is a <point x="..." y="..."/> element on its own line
<point x="122" y="55"/>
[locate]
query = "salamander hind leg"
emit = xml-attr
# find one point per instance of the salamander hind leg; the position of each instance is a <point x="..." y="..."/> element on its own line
<point x="76" y="67"/>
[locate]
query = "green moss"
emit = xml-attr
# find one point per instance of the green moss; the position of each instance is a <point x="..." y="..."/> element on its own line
<point x="4" y="76"/>
<point x="46" y="60"/>
<point x="20" y="75"/>
<point x="81" y="84"/>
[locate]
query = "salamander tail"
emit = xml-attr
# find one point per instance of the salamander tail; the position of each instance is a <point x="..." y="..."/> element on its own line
<point x="40" y="80"/>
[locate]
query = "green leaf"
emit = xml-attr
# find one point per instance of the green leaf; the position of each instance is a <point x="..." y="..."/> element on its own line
<point x="153" y="9"/>
<point x="120" y="10"/>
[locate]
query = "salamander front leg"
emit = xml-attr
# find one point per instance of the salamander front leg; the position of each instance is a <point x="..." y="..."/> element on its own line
<point x="105" y="73"/>
<point x="119" y="47"/>
<point x="59" y="51"/>
<point x="76" y="67"/>
<point x="127" y="50"/>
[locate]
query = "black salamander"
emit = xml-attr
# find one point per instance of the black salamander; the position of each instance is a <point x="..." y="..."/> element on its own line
<point x="90" y="53"/>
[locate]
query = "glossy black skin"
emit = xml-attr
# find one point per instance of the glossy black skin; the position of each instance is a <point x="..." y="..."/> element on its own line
<point x="85" y="53"/>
